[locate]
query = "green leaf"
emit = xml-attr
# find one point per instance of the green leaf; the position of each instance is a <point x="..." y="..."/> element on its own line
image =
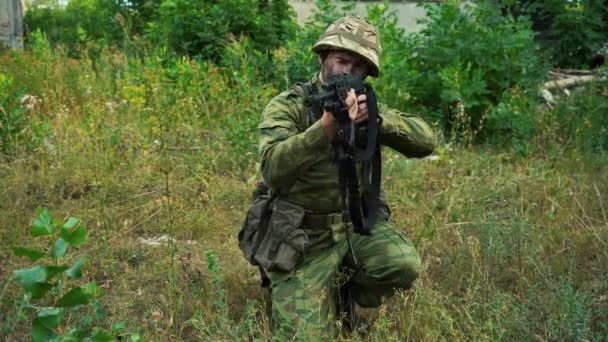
<point x="76" y="335"/>
<point x="82" y="335"/>
<point x="65" y="233"/>
<point x="44" y="324"/>
<point x="118" y="326"/>
<point x="34" y="280"/>
<point x="49" y="312"/>
<point x="72" y="222"/>
<point x="38" y="290"/>
<point x="135" y="337"/>
<point x="52" y="271"/>
<point x="92" y="288"/>
<point x="32" y="254"/>
<point x="78" y="236"/>
<point x="74" y="297"/>
<point x="59" y="249"/>
<point x="75" y="272"/>
<point x="101" y="336"/>
<point x="43" y="225"/>
<point x="41" y="333"/>
<point x="98" y="310"/>
<point x="86" y="320"/>
<point x="51" y="318"/>
<point x="30" y="276"/>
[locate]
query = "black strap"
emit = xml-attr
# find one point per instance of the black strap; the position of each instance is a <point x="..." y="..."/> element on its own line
<point x="362" y="205"/>
<point x="265" y="281"/>
<point x="305" y="90"/>
<point x="372" y="170"/>
<point x="373" y="123"/>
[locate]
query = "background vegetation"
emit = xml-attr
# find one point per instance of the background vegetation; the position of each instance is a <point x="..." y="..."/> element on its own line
<point x="138" y="121"/>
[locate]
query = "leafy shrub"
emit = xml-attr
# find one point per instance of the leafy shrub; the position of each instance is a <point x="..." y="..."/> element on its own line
<point x="203" y="29"/>
<point x="512" y="120"/>
<point x="49" y="289"/>
<point x="393" y="87"/>
<point x="467" y="58"/>
<point x="580" y="33"/>
<point x="574" y="32"/>
<point x="77" y="24"/>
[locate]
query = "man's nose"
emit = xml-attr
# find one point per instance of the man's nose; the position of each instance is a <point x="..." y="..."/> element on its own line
<point x="347" y="68"/>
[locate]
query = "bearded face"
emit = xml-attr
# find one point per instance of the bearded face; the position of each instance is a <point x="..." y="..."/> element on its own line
<point x="341" y="61"/>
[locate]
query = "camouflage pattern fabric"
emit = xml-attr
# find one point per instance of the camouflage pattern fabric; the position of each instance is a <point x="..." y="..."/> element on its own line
<point x="304" y="301"/>
<point x="291" y="153"/>
<point x="353" y="34"/>
<point x="300" y="158"/>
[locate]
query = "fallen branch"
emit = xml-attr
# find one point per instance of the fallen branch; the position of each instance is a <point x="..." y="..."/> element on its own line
<point x="570" y="81"/>
<point x="573" y="72"/>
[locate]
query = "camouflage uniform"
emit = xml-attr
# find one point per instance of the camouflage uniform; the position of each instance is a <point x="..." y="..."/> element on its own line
<point x="300" y="158"/>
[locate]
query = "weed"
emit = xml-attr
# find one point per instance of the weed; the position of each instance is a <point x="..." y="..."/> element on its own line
<point x="52" y="285"/>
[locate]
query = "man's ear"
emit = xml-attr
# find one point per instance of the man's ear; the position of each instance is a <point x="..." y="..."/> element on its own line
<point x="322" y="56"/>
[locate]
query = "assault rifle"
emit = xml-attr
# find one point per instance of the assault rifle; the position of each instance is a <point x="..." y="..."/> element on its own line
<point x="353" y="158"/>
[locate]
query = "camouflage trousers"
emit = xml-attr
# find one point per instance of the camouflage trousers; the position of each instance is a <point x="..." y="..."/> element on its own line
<point x="304" y="301"/>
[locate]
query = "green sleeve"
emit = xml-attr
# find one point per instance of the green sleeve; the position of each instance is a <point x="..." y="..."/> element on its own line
<point x="286" y="148"/>
<point x="406" y="133"/>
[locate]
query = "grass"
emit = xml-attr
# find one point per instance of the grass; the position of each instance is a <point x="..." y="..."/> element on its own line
<point x="514" y="246"/>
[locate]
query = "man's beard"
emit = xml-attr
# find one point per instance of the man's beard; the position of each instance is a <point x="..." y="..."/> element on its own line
<point x="329" y="72"/>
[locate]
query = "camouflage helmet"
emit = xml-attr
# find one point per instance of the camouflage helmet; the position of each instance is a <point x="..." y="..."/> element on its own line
<point x="354" y="34"/>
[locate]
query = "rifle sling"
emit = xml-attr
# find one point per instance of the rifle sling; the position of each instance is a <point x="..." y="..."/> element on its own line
<point x="362" y="207"/>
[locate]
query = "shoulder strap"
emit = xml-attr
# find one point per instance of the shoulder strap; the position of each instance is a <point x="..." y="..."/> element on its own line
<point x="305" y="90"/>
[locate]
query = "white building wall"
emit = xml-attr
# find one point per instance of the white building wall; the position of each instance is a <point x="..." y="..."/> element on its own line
<point x="407" y="12"/>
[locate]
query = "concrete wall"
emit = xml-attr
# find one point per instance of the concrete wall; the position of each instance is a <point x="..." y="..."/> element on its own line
<point x="11" y="23"/>
<point x="407" y="12"/>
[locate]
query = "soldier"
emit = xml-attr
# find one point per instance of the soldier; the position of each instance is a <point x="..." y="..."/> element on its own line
<point x="297" y="160"/>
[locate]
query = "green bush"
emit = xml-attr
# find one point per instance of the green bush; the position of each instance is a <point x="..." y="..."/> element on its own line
<point x="203" y="29"/>
<point x="393" y="88"/>
<point x="81" y="22"/>
<point x="53" y="296"/>
<point x="575" y="31"/>
<point x="467" y="58"/>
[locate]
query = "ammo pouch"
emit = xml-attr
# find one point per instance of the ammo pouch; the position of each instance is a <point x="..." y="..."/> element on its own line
<point x="271" y="236"/>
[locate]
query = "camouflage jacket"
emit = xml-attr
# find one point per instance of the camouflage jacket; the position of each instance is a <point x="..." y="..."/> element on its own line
<point x="301" y="158"/>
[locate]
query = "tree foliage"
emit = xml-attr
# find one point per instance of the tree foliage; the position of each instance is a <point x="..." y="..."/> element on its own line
<point x="204" y="28"/>
<point x="79" y="22"/>
<point x="572" y="33"/>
